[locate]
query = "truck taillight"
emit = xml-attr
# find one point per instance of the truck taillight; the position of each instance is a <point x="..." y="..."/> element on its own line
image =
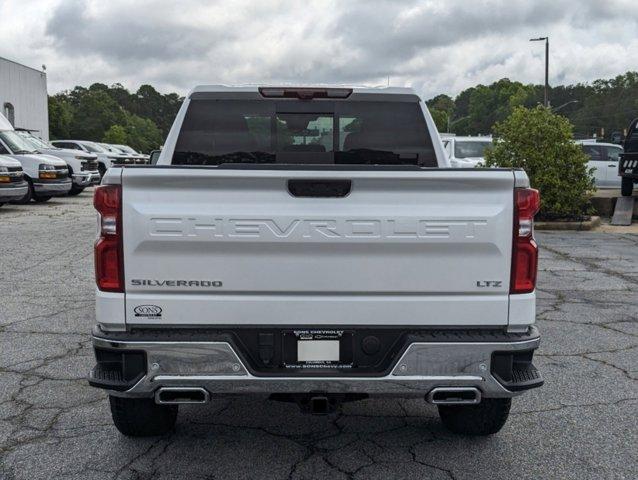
<point x="109" y="258"/>
<point x="527" y="202"/>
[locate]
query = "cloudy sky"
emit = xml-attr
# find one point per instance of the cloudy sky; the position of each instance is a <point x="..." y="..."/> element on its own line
<point x="435" y="46"/>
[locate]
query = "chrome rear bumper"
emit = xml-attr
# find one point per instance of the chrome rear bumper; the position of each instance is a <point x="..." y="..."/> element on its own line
<point x="216" y="367"/>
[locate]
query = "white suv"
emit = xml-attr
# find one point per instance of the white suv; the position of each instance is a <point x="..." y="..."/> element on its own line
<point x="466" y="152"/>
<point x="603" y="158"/>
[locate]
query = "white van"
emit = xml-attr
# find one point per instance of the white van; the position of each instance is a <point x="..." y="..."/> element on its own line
<point x="12" y="184"/>
<point x="46" y="176"/>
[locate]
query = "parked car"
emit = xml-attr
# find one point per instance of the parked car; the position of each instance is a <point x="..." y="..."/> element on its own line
<point x="13" y="186"/>
<point x="105" y="158"/>
<point x="130" y="151"/>
<point x="46" y="176"/>
<point x="315" y="274"/>
<point x="628" y="168"/>
<point x="603" y="158"/>
<point x="139" y="158"/>
<point x="82" y="166"/>
<point x="466" y="152"/>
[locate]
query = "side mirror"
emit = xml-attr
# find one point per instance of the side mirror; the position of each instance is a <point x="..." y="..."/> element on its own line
<point x="155" y="156"/>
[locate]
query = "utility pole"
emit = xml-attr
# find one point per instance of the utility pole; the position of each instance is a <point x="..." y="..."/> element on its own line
<point x="540" y="39"/>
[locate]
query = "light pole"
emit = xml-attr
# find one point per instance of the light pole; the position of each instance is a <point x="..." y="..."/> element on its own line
<point x="564" y="105"/>
<point x="449" y="124"/>
<point x="540" y="39"/>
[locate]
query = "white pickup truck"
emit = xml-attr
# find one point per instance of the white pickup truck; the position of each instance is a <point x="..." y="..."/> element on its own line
<point x="313" y="244"/>
<point x="82" y="166"/>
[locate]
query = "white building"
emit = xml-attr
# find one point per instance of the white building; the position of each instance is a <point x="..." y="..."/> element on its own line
<point x="23" y="97"/>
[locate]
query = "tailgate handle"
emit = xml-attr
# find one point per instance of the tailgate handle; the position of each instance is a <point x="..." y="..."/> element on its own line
<point x="319" y="188"/>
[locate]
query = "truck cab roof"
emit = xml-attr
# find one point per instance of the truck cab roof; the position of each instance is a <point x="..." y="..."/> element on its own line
<point x="283" y="91"/>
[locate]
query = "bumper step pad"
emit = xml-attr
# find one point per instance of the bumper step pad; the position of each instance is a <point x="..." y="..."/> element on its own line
<point x="117" y="371"/>
<point x="524" y="377"/>
<point x="107" y="374"/>
<point x="515" y="370"/>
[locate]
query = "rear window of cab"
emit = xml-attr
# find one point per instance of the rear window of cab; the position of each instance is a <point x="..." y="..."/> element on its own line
<point x="217" y="132"/>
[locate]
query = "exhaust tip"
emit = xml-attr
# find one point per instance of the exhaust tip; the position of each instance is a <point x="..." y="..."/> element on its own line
<point x="454" y="396"/>
<point x="181" y="395"/>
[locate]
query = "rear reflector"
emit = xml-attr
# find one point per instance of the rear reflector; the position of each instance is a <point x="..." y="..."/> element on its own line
<point x="109" y="258"/>
<point x="527" y="202"/>
<point x="304" y="93"/>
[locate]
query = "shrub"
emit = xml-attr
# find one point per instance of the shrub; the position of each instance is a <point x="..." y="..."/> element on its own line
<point x="540" y="142"/>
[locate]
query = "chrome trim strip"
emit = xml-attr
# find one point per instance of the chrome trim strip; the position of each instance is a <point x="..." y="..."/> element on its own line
<point x="216" y="367"/>
<point x="431" y="357"/>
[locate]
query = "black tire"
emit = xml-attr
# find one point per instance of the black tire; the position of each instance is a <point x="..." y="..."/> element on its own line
<point x="75" y="191"/>
<point x="626" y="186"/>
<point x="1" y="204"/>
<point x="485" y="418"/>
<point x="27" y="196"/>
<point x="41" y="198"/>
<point x="142" y="417"/>
<point x="102" y="169"/>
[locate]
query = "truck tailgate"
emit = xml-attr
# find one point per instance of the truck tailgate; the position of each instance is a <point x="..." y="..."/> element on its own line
<point x="210" y="246"/>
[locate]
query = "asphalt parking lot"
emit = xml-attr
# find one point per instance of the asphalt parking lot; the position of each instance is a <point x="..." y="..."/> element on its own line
<point x="582" y="424"/>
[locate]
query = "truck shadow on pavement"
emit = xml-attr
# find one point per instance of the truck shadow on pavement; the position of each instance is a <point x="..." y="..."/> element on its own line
<point x="254" y="437"/>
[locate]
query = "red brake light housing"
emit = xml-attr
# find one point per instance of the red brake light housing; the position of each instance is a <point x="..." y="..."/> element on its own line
<point x="527" y="202"/>
<point x="109" y="253"/>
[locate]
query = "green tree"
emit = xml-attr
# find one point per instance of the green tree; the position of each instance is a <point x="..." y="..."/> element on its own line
<point x="540" y="142"/>
<point x="116" y="134"/>
<point x="605" y="106"/>
<point x="440" y="118"/>
<point x="161" y="109"/>
<point x="94" y="111"/>
<point x="142" y="134"/>
<point x="99" y="112"/>
<point x="493" y="103"/>
<point x="443" y="103"/>
<point x="60" y="117"/>
<point x="442" y="109"/>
